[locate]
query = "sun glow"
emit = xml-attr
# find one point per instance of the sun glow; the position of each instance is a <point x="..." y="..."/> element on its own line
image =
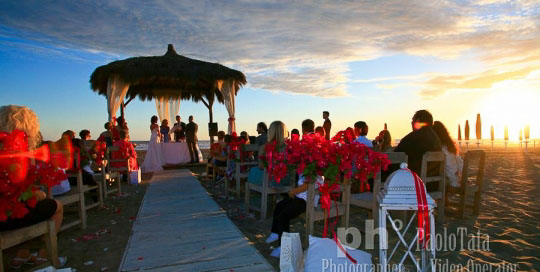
<point x="514" y="108"/>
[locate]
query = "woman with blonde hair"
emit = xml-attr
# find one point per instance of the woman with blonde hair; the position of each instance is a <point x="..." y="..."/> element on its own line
<point x="23" y="118"/>
<point x="276" y="133"/>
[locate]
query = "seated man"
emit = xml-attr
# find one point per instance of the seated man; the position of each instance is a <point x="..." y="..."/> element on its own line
<point x="421" y="140"/>
<point x="360" y="131"/>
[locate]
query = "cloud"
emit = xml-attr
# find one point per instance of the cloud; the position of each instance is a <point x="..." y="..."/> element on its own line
<point x="299" y="47"/>
<point x="439" y="85"/>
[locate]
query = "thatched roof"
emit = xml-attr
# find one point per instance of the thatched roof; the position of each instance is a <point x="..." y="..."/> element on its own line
<point x="172" y="74"/>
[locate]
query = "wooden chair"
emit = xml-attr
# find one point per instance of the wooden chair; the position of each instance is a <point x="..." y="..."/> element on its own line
<point x="428" y="161"/>
<point x="74" y="196"/>
<point x="111" y="173"/>
<point x="45" y="229"/>
<point x="265" y="190"/>
<point x="368" y="200"/>
<point x="240" y="175"/>
<point x="315" y="213"/>
<point x="470" y="182"/>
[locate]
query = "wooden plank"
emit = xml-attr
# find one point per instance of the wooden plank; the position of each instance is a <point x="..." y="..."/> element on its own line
<point x="181" y="228"/>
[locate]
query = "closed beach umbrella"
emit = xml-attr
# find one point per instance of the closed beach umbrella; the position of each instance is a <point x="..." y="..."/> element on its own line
<point x="492" y="133"/>
<point x="467" y="130"/>
<point x="506" y="133"/>
<point x="478" y="127"/>
<point x="520" y="135"/>
<point x="459" y="133"/>
<point x="527" y="132"/>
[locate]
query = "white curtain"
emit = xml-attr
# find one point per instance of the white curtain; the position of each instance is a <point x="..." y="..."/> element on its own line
<point x="174" y="108"/>
<point x="116" y="91"/>
<point x="167" y="108"/>
<point x="229" y="92"/>
<point x="162" y="107"/>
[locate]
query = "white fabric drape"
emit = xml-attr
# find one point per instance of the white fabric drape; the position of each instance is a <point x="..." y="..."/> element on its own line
<point x="116" y="91"/>
<point x="162" y="107"/>
<point x="229" y="92"/>
<point x="167" y="108"/>
<point x="174" y="108"/>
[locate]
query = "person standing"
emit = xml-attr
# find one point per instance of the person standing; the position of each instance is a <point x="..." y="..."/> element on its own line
<point x="191" y="139"/>
<point x="327" y="124"/>
<point x="179" y="129"/>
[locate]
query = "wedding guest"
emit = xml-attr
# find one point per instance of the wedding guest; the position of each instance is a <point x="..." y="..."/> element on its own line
<point x="327" y="124"/>
<point x="308" y="127"/>
<point x="320" y="130"/>
<point x="294" y="204"/>
<point x="125" y="151"/>
<point x="69" y="133"/>
<point x="244" y="135"/>
<point x="106" y="136"/>
<point x="86" y="171"/>
<point x="23" y="118"/>
<point x="219" y="153"/>
<point x="421" y="140"/>
<point x="277" y="132"/>
<point x="85" y="134"/>
<point x="191" y="139"/>
<point x="361" y="130"/>
<point x="262" y="130"/>
<point x="164" y="129"/>
<point x="295" y="134"/>
<point x="179" y="130"/>
<point x="453" y="162"/>
<point x="383" y="142"/>
<point x="121" y="124"/>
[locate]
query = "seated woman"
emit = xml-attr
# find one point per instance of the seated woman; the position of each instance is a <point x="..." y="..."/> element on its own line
<point x="277" y="132"/>
<point x="320" y="130"/>
<point x="291" y="206"/>
<point x="125" y="151"/>
<point x="454" y="163"/>
<point x="383" y="142"/>
<point x="22" y="118"/>
<point x="164" y="129"/>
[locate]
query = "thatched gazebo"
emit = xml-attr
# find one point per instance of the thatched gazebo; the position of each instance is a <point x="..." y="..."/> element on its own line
<point x="170" y="76"/>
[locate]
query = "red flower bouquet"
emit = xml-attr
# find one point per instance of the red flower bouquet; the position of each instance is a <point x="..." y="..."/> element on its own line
<point x="18" y="174"/>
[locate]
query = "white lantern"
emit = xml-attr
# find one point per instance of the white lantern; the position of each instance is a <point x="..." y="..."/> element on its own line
<point x="399" y="194"/>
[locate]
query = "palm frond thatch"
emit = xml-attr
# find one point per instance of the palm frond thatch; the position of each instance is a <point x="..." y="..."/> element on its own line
<point x="170" y="75"/>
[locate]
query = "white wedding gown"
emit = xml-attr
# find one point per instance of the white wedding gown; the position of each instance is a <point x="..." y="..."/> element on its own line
<point x="152" y="160"/>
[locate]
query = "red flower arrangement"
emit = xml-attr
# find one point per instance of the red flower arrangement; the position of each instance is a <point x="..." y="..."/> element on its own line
<point x="98" y="152"/>
<point x="18" y="175"/>
<point x="315" y="156"/>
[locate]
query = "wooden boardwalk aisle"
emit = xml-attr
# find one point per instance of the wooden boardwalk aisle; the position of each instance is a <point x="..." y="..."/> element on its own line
<point x="181" y="228"/>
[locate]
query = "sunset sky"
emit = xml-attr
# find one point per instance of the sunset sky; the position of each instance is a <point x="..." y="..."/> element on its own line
<point x="376" y="61"/>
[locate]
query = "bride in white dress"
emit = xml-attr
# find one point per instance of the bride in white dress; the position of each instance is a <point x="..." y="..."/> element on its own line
<point x="152" y="160"/>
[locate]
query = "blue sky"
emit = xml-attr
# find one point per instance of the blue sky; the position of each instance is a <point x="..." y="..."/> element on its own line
<point x="376" y="61"/>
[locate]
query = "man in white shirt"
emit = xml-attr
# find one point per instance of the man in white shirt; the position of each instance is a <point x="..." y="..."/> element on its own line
<point x="361" y="130"/>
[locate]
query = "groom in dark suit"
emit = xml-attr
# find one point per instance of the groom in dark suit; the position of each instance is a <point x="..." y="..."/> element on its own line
<point x="191" y="139"/>
<point x="179" y="130"/>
